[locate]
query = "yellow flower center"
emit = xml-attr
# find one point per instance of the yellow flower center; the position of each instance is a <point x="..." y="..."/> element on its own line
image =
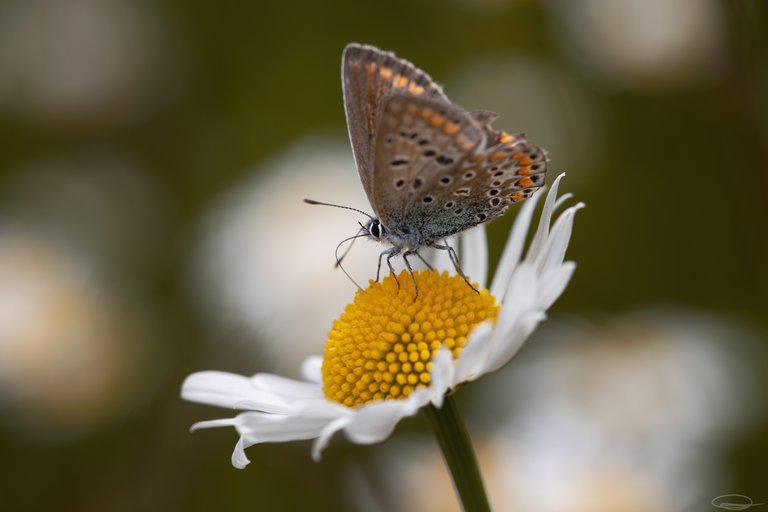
<point x="382" y="345"/>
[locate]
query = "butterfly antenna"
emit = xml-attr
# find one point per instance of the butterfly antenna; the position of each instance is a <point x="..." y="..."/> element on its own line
<point x="346" y="251"/>
<point x="312" y="201"/>
<point x="339" y="259"/>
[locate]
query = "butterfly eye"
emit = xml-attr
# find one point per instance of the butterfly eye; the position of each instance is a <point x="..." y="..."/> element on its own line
<point x="375" y="229"/>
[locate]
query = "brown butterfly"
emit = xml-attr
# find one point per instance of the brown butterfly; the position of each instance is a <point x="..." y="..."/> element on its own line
<point x="430" y="169"/>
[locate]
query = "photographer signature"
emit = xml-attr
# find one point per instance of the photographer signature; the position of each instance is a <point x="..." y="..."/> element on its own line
<point x="734" y="502"/>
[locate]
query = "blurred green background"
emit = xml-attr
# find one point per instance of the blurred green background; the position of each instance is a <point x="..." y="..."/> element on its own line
<point x="128" y="126"/>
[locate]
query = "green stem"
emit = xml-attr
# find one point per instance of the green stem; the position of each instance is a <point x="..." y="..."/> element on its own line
<point x="459" y="455"/>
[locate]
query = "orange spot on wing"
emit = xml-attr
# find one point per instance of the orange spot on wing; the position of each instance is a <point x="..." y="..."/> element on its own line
<point x="415" y="89"/>
<point x="370" y="67"/>
<point x="525" y="182"/>
<point x="517" y="197"/>
<point x="525" y="161"/>
<point x="464" y="143"/>
<point x="425" y="114"/>
<point x="400" y="81"/>
<point x="436" y="120"/>
<point x="451" y="128"/>
<point x="525" y="171"/>
<point x="476" y="158"/>
<point x="385" y="73"/>
<point x="506" y="138"/>
<point x="495" y="157"/>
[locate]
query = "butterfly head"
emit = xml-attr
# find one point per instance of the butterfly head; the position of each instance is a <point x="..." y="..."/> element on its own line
<point x="374" y="228"/>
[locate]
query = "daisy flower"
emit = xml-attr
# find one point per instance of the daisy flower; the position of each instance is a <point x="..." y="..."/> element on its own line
<point x="392" y="352"/>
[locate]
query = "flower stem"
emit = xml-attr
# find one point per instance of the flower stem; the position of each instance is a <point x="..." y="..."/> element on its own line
<point x="458" y="454"/>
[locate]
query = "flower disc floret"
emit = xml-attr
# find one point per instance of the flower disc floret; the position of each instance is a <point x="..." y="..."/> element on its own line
<point x="382" y="345"/>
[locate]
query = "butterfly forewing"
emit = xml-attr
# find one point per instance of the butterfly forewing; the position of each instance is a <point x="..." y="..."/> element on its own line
<point x="369" y="75"/>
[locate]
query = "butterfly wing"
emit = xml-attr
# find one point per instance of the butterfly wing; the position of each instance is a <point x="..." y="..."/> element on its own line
<point x="419" y="140"/>
<point x="486" y="184"/>
<point x="369" y="75"/>
<point x="440" y="170"/>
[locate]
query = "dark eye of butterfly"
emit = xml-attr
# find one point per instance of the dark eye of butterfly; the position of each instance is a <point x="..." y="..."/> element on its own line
<point x="375" y="229"/>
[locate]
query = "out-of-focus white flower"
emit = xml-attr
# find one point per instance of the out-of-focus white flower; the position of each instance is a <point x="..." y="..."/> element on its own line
<point x="649" y="44"/>
<point x="76" y="236"/>
<point x="393" y="351"/>
<point x="93" y="60"/>
<point x="631" y="417"/>
<point x="252" y="262"/>
<point x="70" y="359"/>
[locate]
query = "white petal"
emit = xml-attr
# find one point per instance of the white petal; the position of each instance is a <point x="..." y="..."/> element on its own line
<point x="311" y="369"/>
<point x="287" y="388"/>
<point x="269" y="428"/>
<point x="472" y="361"/>
<point x="546" y="216"/>
<point x="554" y="249"/>
<point x="239" y="459"/>
<point x="442" y="375"/>
<point x="514" y="340"/>
<point x="553" y="283"/>
<point x="562" y="199"/>
<point x="513" y="248"/>
<point x="374" y="422"/>
<point x="520" y="301"/>
<point x="325" y="436"/>
<point x="520" y="295"/>
<point x="225" y="422"/>
<point x="221" y="389"/>
<point x="474" y="255"/>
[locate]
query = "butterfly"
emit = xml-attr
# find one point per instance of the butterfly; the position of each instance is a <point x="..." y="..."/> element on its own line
<point x="430" y="169"/>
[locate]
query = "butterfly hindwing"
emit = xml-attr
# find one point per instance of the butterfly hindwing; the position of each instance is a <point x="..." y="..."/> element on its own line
<point x="482" y="186"/>
<point x="487" y="183"/>
<point x="420" y="141"/>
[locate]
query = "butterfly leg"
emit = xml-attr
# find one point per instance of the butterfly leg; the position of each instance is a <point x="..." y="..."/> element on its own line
<point x="425" y="262"/>
<point x="455" y="261"/>
<point x="410" y="269"/>
<point x="390" y="253"/>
